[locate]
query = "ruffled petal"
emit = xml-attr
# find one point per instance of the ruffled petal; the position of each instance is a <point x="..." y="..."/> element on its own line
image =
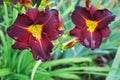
<point x="41" y="48"/>
<point x="105" y="32"/>
<point x="52" y="22"/>
<point x="23" y="21"/>
<point x="78" y="16"/>
<point x="105" y="22"/>
<point x="54" y="26"/>
<point x="54" y="34"/>
<point x="20" y="45"/>
<point x="33" y="13"/>
<point x="104" y="17"/>
<point x="91" y="40"/>
<point x="55" y="29"/>
<point x="18" y="30"/>
<point x="43" y="17"/>
<point x="18" y="34"/>
<point x="83" y="12"/>
<point x="100" y="14"/>
<point x="76" y="32"/>
<point x="91" y="9"/>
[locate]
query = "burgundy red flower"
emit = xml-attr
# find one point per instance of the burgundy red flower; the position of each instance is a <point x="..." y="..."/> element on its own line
<point x="91" y="25"/>
<point x="36" y="29"/>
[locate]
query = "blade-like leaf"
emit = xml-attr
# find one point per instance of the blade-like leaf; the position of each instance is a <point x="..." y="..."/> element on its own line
<point x="4" y="72"/>
<point x="67" y="76"/>
<point x="64" y="61"/>
<point x="116" y="64"/>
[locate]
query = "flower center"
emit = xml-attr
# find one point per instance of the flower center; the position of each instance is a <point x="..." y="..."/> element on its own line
<point x="91" y="25"/>
<point x="36" y="30"/>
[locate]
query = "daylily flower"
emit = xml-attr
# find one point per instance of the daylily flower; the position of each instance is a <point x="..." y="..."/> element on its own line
<point x="26" y="3"/>
<point x="91" y="25"/>
<point x="36" y="29"/>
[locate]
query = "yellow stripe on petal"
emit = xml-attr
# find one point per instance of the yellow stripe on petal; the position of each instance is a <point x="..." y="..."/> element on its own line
<point x="36" y="31"/>
<point x="91" y="25"/>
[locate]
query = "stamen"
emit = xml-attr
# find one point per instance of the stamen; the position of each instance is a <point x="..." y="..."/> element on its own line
<point x="36" y="30"/>
<point x="91" y="25"/>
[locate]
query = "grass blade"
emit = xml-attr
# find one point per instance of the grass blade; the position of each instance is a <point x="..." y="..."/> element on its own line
<point x="116" y="64"/>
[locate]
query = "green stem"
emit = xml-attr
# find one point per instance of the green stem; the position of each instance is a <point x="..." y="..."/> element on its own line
<point x="89" y="76"/>
<point x="6" y="15"/>
<point x="35" y="69"/>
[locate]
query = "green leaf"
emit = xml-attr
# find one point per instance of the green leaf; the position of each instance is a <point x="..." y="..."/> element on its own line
<point x="115" y="74"/>
<point x="64" y="61"/>
<point x="4" y="72"/>
<point x="67" y="76"/>
<point x="19" y="77"/>
<point x="68" y="10"/>
<point x="42" y="76"/>
<point x="91" y="69"/>
<point x="6" y="18"/>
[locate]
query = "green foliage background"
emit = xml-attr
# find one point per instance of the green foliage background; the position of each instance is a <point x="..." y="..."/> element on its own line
<point x="76" y="63"/>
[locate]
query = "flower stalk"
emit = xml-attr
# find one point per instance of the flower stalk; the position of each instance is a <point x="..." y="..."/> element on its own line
<point x="88" y="3"/>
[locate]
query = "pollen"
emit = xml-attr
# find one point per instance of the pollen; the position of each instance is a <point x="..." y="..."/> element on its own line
<point x="36" y="31"/>
<point x="61" y="28"/>
<point x="91" y="25"/>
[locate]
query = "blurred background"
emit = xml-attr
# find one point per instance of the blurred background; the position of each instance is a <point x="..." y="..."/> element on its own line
<point x="76" y="63"/>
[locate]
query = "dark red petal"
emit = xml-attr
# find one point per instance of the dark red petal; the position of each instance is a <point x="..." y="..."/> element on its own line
<point x="78" y="17"/>
<point x="84" y="12"/>
<point x="20" y="45"/>
<point x="91" y="40"/>
<point x="52" y="22"/>
<point x="54" y="34"/>
<point x="33" y="13"/>
<point x="43" y="16"/>
<point x="91" y="9"/>
<point x="18" y="34"/>
<point x="104" y="17"/>
<point x="55" y="26"/>
<point x="18" y="30"/>
<point x="76" y="32"/>
<point x="105" y="32"/>
<point x="100" y="14"/>
<point x="41" y="48"/>
<point x="105" y="22"/>
<point x="23" y="21"/>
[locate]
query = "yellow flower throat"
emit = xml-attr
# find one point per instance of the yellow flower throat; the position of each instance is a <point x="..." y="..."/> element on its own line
<point x="36" y="31"/>
<point x="91" y="25"/>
